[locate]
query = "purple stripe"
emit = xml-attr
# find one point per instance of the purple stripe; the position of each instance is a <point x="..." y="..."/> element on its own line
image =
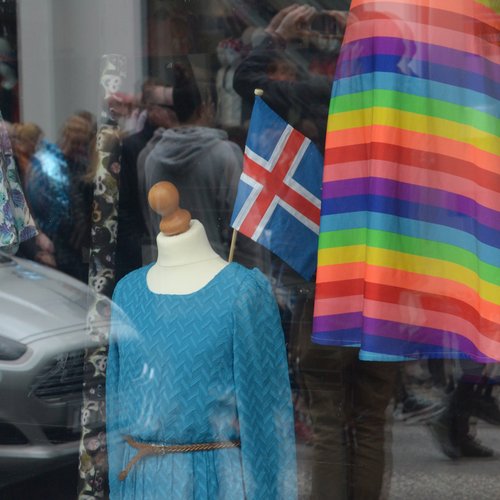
<point x="337" y="322"/>
<point x="421" y="335"/>
<point x="415" y="194"/>
<point x="400" y="332"/>
<point x="424" y="52"/>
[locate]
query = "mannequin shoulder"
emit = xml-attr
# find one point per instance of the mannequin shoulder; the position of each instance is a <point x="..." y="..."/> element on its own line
<point x="135" y="279"/>
<point x="251" y="279"/>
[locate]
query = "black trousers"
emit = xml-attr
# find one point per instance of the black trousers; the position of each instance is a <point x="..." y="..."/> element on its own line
<point x="347" y="400"/>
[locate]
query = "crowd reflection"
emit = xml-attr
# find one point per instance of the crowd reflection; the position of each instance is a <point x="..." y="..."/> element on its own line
<point x="189" y="129"/>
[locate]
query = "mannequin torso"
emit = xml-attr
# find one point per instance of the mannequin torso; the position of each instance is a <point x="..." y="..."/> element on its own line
<point x="192" y="338"/>
<point x="186" y="262"/>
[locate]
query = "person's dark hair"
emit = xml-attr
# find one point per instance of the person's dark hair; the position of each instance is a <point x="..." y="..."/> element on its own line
<point x="186" y="94"/>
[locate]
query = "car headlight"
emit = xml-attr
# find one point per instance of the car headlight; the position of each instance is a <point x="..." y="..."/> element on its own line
<point x="10" y="350"/>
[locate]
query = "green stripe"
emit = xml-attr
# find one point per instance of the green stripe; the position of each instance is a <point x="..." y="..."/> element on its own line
<point x="491" y="4"/>
<point x="413" y="246"/>
<point x="416" y="104"/>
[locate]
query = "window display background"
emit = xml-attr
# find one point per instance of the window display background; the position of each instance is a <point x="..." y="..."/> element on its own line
<point x="60" y="72"/>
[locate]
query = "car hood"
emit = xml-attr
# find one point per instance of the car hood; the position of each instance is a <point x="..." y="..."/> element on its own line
<point x="36" y="300"/>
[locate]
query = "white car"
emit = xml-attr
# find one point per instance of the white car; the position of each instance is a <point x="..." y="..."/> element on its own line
<point x="43" y="335"/>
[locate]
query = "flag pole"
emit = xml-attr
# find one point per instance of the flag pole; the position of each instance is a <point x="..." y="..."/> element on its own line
<point x="233" y="246"/>
<point x="260" y="93"/>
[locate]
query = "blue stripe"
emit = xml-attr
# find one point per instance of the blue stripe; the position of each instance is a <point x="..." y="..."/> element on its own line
<point x="369" y="356"/>
<point x="428" y="71"/>
<point x="414" y="228"/>
<point x="402" y="347"/>
<point x="347" y="338"/>
<point x="375" y="348"/>
<point x="419" y="87"/>
<point x="416" y="211"/>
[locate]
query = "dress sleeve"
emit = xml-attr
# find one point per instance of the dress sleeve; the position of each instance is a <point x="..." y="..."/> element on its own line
<point x="263" y="394"/>
<point x="115" y="442"/>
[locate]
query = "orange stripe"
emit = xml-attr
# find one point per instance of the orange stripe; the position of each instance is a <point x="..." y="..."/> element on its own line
<point x="466" y="8"/>
<point x="405" y="279"/>
<point x="338" y="305"/>
<point x="415" y="176"/>
<point x="411" y="315"/>
<point x="415" y="158"/>
<point x="414" y="140"/>
<point x="341" y="272"/>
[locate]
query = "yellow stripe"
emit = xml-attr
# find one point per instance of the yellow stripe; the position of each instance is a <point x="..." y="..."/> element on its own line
<point x="411" y="263"/>
<point x="417" y="123"/>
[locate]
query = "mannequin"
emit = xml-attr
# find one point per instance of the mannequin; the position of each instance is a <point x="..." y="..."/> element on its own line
<point x="198" y="400"/>
<point x="186" y="261"/>
<point x="229" y="112"/>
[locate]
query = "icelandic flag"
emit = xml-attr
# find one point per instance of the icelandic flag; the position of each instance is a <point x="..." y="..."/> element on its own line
<point x="279" y="195"/>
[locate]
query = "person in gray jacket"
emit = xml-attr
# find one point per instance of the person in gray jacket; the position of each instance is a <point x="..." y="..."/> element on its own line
<point x="202" y="163"/>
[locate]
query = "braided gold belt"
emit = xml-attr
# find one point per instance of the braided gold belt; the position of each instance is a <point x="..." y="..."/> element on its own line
<point x="146" y="449"/>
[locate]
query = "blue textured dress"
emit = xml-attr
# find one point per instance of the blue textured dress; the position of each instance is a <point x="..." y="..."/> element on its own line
<point x="209" y="366"/>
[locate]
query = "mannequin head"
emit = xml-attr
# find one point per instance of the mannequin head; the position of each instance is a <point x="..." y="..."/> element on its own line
<point x="163" y="198"/>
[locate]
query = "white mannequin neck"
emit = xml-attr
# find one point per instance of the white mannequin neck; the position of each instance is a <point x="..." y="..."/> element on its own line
<point x="186" y="262"/>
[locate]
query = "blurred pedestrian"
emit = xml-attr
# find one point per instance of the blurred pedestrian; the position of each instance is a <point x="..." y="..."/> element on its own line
<point x="71" y="237"/>
<point x="131" y="225"/>
<point x="472" y="397"/>
<point x="201" y="162"/>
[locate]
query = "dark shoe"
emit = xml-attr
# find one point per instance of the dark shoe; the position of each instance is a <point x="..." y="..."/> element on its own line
<point x="441" y="430"/>
<point x="486" y="408"/>
<point x="472" y="448"/>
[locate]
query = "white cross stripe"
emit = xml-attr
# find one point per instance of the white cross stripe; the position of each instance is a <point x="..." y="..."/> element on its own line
<point x="275" y="155"/>
<point x="265" y="219"/>
<point x="280" y="146"/>
<point x="248" y="204"/>
<point x="307" y="222"/>
<point x="293" y="184"/>
<point x="262" y="162"/>
<point x="292" y="211"/>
